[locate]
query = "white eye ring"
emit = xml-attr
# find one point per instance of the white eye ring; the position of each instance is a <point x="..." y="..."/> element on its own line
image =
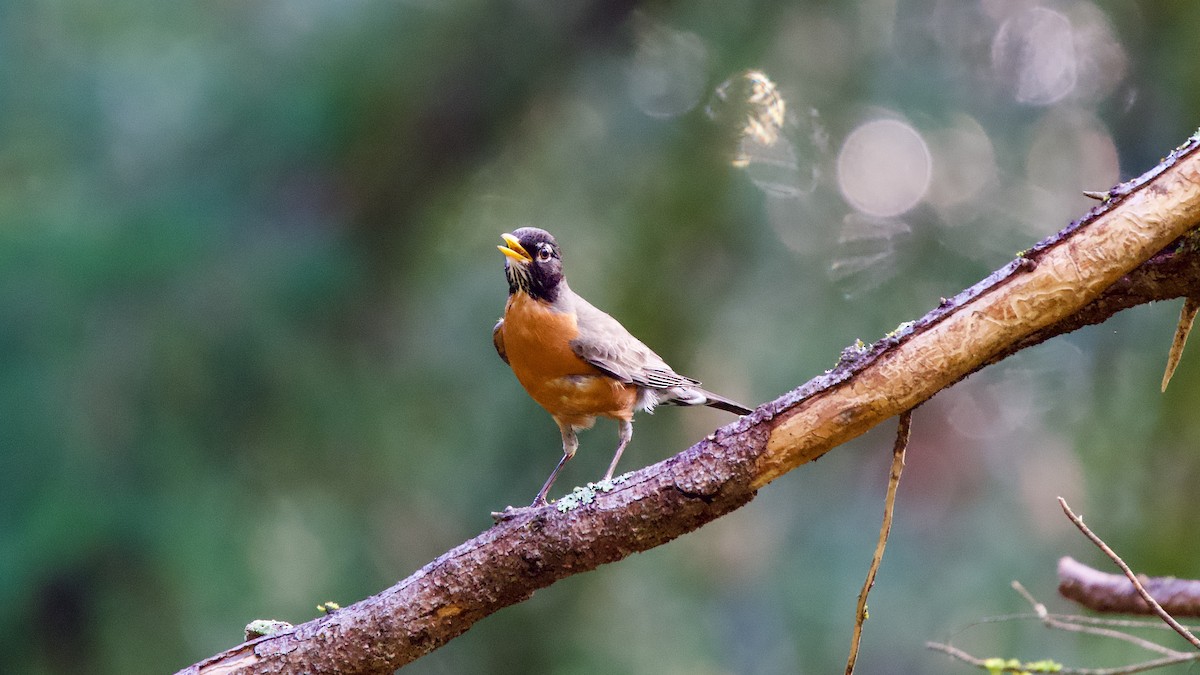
<point x="544" y="253"/>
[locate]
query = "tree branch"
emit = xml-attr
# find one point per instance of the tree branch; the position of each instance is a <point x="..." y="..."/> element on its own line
<point x="994" y="665"/>
<point x="1158" y="610"/>
<point x="903" y="432"/>
<point x="1105" y="628"/>
<point x="1104" y="592"/>
<point x="1077" y="625"/>
<point x="1084" y="274"/>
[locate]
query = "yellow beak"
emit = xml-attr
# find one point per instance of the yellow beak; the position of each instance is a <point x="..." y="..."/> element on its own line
<point x="514" y="249"/>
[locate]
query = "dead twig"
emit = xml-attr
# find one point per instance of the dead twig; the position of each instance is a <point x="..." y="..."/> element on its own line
<point x="903" y="431"/>
<point x="1070" y="624"/>
<point x="1186" y="317"/>
<point x="1077" y="624"/>
<point x="994" y="665"/>
<point x="1157" y="608"/>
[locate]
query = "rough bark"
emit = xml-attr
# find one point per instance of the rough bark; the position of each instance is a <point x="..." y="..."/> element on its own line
<point x="1122" y="253"/>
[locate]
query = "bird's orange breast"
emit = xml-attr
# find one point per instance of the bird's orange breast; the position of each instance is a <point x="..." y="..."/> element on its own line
<point x="537" y="341"/>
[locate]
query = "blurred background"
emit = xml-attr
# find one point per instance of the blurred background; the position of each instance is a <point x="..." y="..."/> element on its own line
<point x="249" y="277"/>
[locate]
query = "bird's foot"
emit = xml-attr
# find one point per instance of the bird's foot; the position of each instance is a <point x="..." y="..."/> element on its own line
<point x="569" y="502"/>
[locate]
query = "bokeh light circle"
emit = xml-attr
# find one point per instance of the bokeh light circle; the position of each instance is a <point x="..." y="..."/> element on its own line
<point x="1033" y="53"/>
<point x="884" y="168"/>
<point x="669" y="71"/>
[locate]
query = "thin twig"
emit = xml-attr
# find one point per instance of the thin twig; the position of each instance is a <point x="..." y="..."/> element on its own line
<point x="1162" y="613"/>
<point x="1069" y="624"/>
<point x="1079" y="619"/>
<point x="1148" y="624"/>
<point x="1076" y="624"/>
<point x="860" y="614"/>
<point x="1119" y="670"/>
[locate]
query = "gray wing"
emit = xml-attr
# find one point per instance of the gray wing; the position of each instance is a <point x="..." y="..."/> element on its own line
<point x="604" y="343"/>
<point x="498" y="340"/>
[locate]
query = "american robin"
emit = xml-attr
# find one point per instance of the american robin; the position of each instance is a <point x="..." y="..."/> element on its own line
<point x="576" y="361"/>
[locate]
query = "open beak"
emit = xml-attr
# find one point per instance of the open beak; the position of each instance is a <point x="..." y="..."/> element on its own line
<point x="514" y="249"/>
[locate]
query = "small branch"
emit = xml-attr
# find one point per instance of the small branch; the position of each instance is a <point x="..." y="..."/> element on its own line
<point x="1099" y="627"/>
<point x="1155" y="607"/>
<point x="1186" y="317"/>
<point x="1058" y="285"/>
<point x="989" y="664"/>
<point x="1077" y="624"/>
<point x="885" y="529"/>
<point x="1104" y="592"/>
<point x="1071" y="624"/>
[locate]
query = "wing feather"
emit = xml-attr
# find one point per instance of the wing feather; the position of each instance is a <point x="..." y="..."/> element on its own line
<point x="607" y="345"/>
<point x="498" y="340"/>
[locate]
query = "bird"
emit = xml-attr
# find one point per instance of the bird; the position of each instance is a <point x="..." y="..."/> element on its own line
<point x="576" y="361"/>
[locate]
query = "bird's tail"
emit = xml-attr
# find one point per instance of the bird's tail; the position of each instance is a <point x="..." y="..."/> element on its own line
<point x="688" y="396"/>
<point x="722" y="403"/>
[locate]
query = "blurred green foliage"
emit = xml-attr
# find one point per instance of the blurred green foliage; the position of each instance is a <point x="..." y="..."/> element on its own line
<point x="247" y="279"/>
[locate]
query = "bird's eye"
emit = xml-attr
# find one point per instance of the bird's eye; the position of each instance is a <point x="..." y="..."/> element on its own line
<point x="544" y="253"/>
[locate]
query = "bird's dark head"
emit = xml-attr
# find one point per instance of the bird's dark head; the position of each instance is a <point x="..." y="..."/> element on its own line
<point x="532" y="263"/>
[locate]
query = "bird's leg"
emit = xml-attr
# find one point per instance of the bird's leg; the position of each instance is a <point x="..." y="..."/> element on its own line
<point x="570" y="445"/>
<point x="626" y="435"/>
